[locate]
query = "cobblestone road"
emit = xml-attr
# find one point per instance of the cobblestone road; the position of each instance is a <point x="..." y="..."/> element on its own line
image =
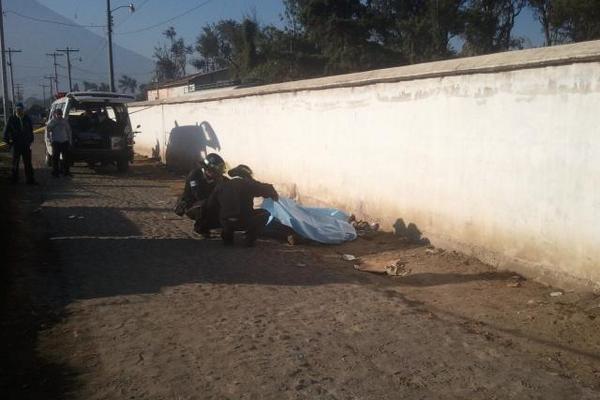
<point x="145" y="310"/>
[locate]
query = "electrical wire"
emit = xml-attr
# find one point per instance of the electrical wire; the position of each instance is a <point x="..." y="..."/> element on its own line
<point x="137" y="10"/>
<point x="167" y="20"/>
<point x="49" y="21"/>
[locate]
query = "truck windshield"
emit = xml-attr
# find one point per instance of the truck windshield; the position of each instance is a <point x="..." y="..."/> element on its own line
<point x="98" y="112"/>
<point x="95" y="125"/>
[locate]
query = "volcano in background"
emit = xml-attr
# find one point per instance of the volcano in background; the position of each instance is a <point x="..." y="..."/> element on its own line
<point x="35" y="39"/>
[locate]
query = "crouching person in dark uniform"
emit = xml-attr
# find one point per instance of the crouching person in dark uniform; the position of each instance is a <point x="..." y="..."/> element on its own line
<point x="235" y="200"/>
<point x="199" y="185"/>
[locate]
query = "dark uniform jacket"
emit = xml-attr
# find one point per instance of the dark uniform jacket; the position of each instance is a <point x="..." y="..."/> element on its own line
<point x="19" y="131"/>
<point x="196" y="191"/>
<point x="197" y="187"/>
<point x="235" y="197"/>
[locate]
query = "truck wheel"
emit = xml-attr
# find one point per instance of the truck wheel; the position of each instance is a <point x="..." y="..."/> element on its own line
<point x="122" y="165"/>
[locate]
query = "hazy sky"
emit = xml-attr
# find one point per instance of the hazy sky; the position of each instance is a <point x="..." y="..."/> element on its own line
<point x="151" y="12"/>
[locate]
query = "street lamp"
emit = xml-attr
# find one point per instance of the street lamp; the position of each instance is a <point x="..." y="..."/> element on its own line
<point x="110" y="52"/>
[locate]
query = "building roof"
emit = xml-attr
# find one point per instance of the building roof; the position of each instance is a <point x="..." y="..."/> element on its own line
<point x="584" y="52"/>
<point x="186" y="79"/>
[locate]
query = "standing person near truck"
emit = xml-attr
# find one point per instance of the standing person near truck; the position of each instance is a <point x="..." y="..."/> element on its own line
<point x="18" y="133"/>
<point x="58" y="132"/>
<point x="199" y="185"/>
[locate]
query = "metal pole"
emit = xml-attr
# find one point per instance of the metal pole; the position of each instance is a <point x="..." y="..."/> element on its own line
<point x="3" y="56"/>
<point x="50" y="79"/>
<point x="54" y="55"/>
<point x="69" y="69"/>
<point x="19" y="92"/>
<point x="12" y="81"/>
<point x="55" y="73"/>
<point x="44" y="94"/>
<point x="10" y="65"/>
<point x="68" y="52"/>
<point x="111" y="72"/>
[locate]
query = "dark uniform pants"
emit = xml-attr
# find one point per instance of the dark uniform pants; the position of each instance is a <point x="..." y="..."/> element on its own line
<point x="252" y="224"/>
<point x="22" y="151"/>
<point x="59" y="148"/>
<point x="205" y="220"/>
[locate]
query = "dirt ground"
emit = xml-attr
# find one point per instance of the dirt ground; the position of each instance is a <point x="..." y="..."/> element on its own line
<point x="106" y="294"/>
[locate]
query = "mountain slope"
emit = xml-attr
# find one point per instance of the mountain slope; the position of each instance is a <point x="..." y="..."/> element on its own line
<point x="36" y="39"/>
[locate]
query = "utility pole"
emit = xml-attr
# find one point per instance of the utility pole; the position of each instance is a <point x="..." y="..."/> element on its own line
<point x="111" y="72"/>
<point x="68" y="52"/>
<point x="54" y="55"/>
<point x="19" y="87"/>
<point x="44" y="94"/>
<point x="10" y="66"/>
<point x="50" y="79"/>
<point x="3" y="57"/>
<point x="109" y="24"/>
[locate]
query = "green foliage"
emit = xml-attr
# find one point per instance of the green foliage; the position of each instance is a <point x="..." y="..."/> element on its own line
<point x="127" y="83"/>
<point x="170" y="60"/>
<point x="323" y="37"/>
<point x="143" y="91"/>
<point x="565" y="21"/>
<point x="488" y="26"/>
<point x="420" y="30"/>
<point x="87" y="86"/>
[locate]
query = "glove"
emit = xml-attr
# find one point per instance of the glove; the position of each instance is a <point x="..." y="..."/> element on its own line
<point x="180" y="208"/>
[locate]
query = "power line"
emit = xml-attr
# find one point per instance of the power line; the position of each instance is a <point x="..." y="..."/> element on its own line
<point x="10" y="65"/>
<point x="137" y="11"/>
<point x="68" y="52"/>
<point x="19" y="66"/>
<point x="49" y="21"/>
<point x="54" y="55"/>
<point x="87" y="71"/>
<point x="168" y="20"/>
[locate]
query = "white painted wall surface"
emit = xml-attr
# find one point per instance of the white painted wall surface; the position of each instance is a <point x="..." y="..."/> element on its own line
<point x="504" y="165"/>
<point x="165" y="93"/>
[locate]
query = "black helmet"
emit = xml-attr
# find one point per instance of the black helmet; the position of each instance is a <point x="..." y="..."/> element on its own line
<point x="242" y="171"/>
<point x="214" y="162"/>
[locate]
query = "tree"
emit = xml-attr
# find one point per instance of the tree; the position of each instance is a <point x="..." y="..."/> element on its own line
<point x="171" y="60"/>
<point x="489" y="25"/>
<point x="127" y="83"/>
<point x="143" y="92"/>
<point x="103" y="87"/>
<point x="543" y="10"/>
<point x="87" y="86"/>
<point x="36" y="109"/>
<point x="220" y="46"/>
<point x="76" y="87"/>
<point x="420" y="29"/>
<point x="340" y="30"/>
<point x="575" y="20"/>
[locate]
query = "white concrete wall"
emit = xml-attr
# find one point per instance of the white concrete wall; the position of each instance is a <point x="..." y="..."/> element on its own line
<point x="165" y="93"/>
<point x="503" y="163"/>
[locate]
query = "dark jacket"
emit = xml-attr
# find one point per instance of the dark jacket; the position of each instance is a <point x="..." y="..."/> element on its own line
<point x="197" y="187"/>
<point x="235" y="197"/>
<point x="19" y="132"/>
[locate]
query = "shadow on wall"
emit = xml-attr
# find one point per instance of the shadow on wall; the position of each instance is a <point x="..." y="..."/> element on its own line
<point x="410" y="231"/>
<point x="156" y="151"/>
<point x="188" y="144"/>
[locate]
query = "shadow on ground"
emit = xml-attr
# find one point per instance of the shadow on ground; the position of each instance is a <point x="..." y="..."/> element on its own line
<point x="32" y="299"/>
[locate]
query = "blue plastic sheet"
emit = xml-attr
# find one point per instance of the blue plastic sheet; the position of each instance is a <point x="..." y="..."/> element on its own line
<point x="323" y="225"/>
